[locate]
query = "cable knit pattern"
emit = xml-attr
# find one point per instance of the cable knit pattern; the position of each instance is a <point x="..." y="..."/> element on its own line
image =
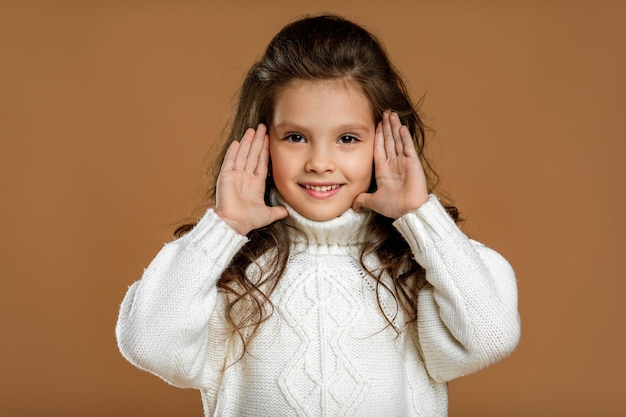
<point x="327" y="349"/>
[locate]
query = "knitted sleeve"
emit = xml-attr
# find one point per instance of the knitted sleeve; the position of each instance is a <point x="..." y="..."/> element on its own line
<point x="166" y="323"/>
<point x="467" y="318"/>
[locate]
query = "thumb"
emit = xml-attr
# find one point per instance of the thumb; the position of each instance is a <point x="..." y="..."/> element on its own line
<point x="279" y="212"/>
<point x="362" y="200"/>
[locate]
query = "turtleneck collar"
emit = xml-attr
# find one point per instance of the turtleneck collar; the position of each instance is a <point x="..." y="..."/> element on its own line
<point x="346" y="230"/>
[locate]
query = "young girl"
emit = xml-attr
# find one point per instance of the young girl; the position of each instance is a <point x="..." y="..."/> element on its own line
<point x="326" y="280"/>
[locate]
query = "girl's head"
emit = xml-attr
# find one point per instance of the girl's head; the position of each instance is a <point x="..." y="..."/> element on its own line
<point x="324" y="48"/>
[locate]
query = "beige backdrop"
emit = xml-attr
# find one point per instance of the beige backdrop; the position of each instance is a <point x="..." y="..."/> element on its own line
<point x="108" y="108"/>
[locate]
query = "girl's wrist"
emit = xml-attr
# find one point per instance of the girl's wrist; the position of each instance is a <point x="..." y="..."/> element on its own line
<point x="414" y="205"/>
<point x="233" y="224"/>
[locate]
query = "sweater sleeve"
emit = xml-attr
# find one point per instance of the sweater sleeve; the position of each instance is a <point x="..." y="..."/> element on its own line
<point x="467" y="317"/>
<point x="167" y="322"/>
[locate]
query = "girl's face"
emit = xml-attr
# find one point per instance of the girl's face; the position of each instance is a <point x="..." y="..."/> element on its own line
<point x="321" y="146"/>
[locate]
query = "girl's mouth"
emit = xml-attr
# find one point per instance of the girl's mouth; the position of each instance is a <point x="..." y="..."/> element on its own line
<point x="321" y="187"/>
<point x="321" y="191"/>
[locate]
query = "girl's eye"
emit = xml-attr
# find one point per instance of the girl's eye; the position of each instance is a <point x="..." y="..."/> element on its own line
<point x="348" y="139"/>
<point x="295" y="137"/>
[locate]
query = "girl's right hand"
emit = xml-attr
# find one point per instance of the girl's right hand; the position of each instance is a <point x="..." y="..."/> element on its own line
<point x="240" y="186"/>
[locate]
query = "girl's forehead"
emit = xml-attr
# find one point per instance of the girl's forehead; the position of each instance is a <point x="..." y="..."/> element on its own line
<point x="312" y="105"/>
<point x="329" y="89"/>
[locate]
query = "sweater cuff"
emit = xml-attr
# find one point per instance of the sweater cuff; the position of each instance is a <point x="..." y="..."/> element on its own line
<point x="431" y="217"/>
<point x="212" y="232"/>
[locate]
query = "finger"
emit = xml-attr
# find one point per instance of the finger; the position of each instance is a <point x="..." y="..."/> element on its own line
<point x="264" y="158"/>
<point x="244" y="148"/>
<point x="396" y="124"/>
<point x="407" y="141"/>
<point x="362" y="200"/>
<point x="390" y="146"/>
<point x="279" y="212"/>
<point x="229" y="158"/>
<point x="256" y="148"/>
<point x="379" y="144"/>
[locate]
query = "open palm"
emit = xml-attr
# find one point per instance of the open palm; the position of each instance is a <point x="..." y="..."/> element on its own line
<point x="240" y="186"/>
<point x="400" y="179"/>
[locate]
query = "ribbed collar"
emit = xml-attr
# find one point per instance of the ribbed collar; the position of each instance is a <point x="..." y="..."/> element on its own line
<point x="345" y="230"/>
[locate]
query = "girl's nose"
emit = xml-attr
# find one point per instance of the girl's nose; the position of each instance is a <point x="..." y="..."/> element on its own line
<point x="320" y="161"/>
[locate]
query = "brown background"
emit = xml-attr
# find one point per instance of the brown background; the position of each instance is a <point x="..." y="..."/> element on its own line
<point x="107" y="110"/>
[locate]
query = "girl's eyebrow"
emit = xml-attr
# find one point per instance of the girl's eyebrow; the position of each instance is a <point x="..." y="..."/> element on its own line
<point x="344" y="128"/>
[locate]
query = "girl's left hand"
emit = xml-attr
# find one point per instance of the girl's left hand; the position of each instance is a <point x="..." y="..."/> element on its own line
<point x="400" y="179"/>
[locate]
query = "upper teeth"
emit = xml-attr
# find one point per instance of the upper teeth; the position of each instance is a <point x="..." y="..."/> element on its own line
<point x="320" y="187"/>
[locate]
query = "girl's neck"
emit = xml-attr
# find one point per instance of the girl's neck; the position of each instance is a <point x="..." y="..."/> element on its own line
<point x="349" y="229"/>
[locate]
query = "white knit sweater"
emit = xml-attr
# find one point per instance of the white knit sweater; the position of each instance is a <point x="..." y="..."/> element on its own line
<point x="327" y="349"/>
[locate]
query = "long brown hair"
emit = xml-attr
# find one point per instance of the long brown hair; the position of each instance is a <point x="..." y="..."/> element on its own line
<point x="318" y="48"/>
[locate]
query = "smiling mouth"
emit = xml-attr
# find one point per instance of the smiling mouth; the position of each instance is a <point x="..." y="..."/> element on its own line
<point x="321" y="188"/>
